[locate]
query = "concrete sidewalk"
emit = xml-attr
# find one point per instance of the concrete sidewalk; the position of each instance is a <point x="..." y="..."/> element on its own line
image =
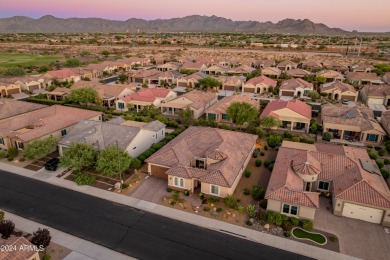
<point x="250" y="234"/>
<point x="81" y="249"/>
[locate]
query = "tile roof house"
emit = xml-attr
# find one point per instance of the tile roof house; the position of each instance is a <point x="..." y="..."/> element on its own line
<point x="17" y="249"/>
<point x="385" y="121"/>
<point x="218" y="111"/>
<point x="295" y="88"/>
<point x="143" y="76"/>
<point x="191" y="80"/>
<point x="351" y="123"/>
<point x="204" y="159"/>
<point x="331" y="75"/>
<point x="363" y="78"/>
<point x="339" y="91"/>
<point x="169" y="77"/>
<point x="258" y="85"/>
<point x="63" y="75"/>
<point x="361" y="68"/>
<point x="9" y="89"/>
<point x="298" y="73"/>
<point x="10" y="108"/>
<point x="145" y="97"/>
<point x="215" y="70"/>
<point x="193" y="66"/>
<point x="197" y="101"/>
<point x="358" y="189"/>
<point x="54" y="121"/>
<point x="133" y="139"/>
<point x="386" y="78"/>
<point x="242" y="70"/>
<point x="32" y="84"/>
<point x="58" y="94"/>
<point x="271" y="72"/>
<point x="232" y="83"/>
<point x="376" y="94"/>
<point x="169" y="66"/>
<point x="294" y="115"/>
<point x="261" y="64"/>
<point x="287" y="65"/>
<point x="311" y="65"/>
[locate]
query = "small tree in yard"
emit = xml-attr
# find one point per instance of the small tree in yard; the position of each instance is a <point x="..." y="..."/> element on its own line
<point x="6" y="228"/>
<point x="241" y="113"/>
<point x="40" y="148"/>
<point x="83" y="95"/>
<point x="327" y="136"/>
<point x="112" y="160"/>
<point x="209" y="82"/>
<point x="274" y="140"/>
<point x="122" y="78"/>
<point x="313" y="95"/>
<point x="269" y="122"/>
<point x="151" y="111"/>
<point x="78" y="156"/>
<point x="186" y="115"/>
<point x="41" y="238"/>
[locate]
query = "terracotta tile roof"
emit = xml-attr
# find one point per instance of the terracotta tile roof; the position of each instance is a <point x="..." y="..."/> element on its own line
<point x="242" y="69"/>
<point x="352" y="76"/>
<point x="192" y="65"/>
<point x="221" y="106"/>
<point x="292" y="84"/>
<point x="376" y="90"/>
<point x="10" y="107"/>
<point x="298" y="72"/>
<point x="354" y="116"/>
<point x="233" y="148"/>
<point x="62" y="74"/>
<point x="343" y="87"/>
<point x="196" y="76"/>
<point x="261" y="80"/>
<point x="294" y="105"/>
<point x="350" y="181"/>
<point x="38" y="123"/>
<point x="230" y="80"/>
<point x="16" y="242"/>
<point x="198" y="99"/>
<point x="146" y="73"/>
<point x="285" y="63"/>
<point x="330" y="74"/>
<point x="147" y="95"/>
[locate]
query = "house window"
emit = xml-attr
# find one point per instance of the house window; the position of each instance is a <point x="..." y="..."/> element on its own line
<point x="63" y="132"/>
<point x="200" y="163"/>
<point x="305" y="92"/>
<point x="100" y="118"/>
<point x="1" y="140"/>
<point x="121" y="105"/>
<point x="290" y="210"/>
<point x="214" y="189"/>
<point x="212" y="116"/>
<point x="372" y="138"/>
<point x="178" y="182"/>
<point x="156" y="135"/>
<point x="323" y="185"/>
<point x="225" y="116"/>
<point x="162" y="132"/>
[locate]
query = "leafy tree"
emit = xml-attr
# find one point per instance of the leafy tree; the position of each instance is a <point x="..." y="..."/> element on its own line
<point x="320" y="80"/>
<point x="253" y="74"/>
<point x="241" y="113"/>
<point x="257" y="192"/>
<point x="40" y="148"/>
<point x="379" y="69"/>
<point x="187" y="71"/>
<point x="186" y="115"/>
<point x="6" y="228"/>
<point x="209" y="82"/>
<point x="83" y="95"/>
<point x="313" y="95"/>
<point x="274" y="140"/>
<point x="122" y="78"/>
<point x="41" y="238"/>
<point x="314" y="127"/>
<point x="327" y="136"/>
<point x="269" y="122"/>
<point x="14" y="72"/>
<point x="43" y="69"/>
<point x="112" y="160"/>
<point x="151" y="111"/>
<point x="106" y="53"/>
<point x="72" y="63"/>
<point x="78" y="156"/>
<point x="135" y="163"/>
<point x="144" y="85"/>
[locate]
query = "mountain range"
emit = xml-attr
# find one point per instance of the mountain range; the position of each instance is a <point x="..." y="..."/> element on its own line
<point x="193" y="23"/>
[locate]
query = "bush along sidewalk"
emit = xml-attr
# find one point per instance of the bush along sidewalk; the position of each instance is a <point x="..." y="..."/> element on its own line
<point x="143" y="156"/>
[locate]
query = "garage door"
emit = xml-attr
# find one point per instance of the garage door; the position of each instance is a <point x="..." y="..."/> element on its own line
<point x="249" y="90"/>
<point x="229" y="88"/>
<point x="349" y="98"/>
<point x="362" y="213"/>
<point x="287" y="93"/>
<point x="159" y="171"/>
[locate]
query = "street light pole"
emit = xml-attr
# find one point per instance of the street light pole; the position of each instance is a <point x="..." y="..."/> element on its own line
<point x="119" y="166"/>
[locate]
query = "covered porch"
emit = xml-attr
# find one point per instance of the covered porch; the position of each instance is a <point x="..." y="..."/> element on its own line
<point x="295" y="126"/>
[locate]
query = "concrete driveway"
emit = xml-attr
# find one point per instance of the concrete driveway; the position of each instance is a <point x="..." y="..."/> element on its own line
<point x="152" y="189"/>
<point x="357" y="238"/>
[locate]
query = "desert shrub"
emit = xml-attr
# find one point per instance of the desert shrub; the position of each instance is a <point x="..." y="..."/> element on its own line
<point x="2" y="215"/>
<point x="206" y="208"/>
<point x="278" y="219"/>
<point x="386" y="161"/>
<point x="257" y="192"/>
<point x="125" y="185"/>
<point x="2" y="154"/>
<point x="248" y="173"/>
<point x="372" y="155"/>
<point x="294" y="221"/>
<point x="84" y="179"/>
<point x="254" y="155"/>
<point x="186" y="193"/>
<point x="231" y="202"/>
<point x="169" y="189"/>
<point x="286" y="225"/>
<point x="385" y="173"/>
<point x="262" y="153"/>
<point x="6" y="228"/>
<point x="333" y="238"/>
<point x="172" y="202"/>
<point x="258" y="163"/>
<point x="271" y="216"/>
<point x="296" y="139"/>
<point x="261" y="215"/>
<point x="219" y="209"/>
<point x="380" y="164"/>
<point x="22" y="159"/>
<point x="176" y="195"/>
<point x="251" y="210"/>
<point x="46" y="257"/>
<point x="240" y="209"/>
<point x="287" y="135"/>
<point x="249" y="223"/>
<point x="13" y="152"/>
<point x="327" y="136"/>
<point x="265" y="147"/>
<point x="263" y="203"/>
<point x="247" y="191"/>
<point x="307" y="224"/>
<point x="382" y="152"/>
<point x="10" y="159"/>
<point x="212" y="200"/>
<point x="274" y="140"/>
<point x="287" y="234"/>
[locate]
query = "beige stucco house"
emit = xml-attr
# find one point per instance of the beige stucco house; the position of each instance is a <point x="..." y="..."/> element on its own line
<point x="9" y="89"/>
<point x="376" y="94"/>
<point x="339" y="91"/>
<point x="218" y="111"/>
<point x="204" y="159"/>
<point x="287" y="65"/>
<point x="258" y="85"/>
<point x="295" y="88"/>
<point x="363" y="78"/>
<point x="331" y="75"/>
<point x="352" y="123"/>
<point x="271" y="72"/>
<point x="191" y="80"/>
<point x="293" y="115"/>
<point x="352" y="179"/>
<point x="197" y="101"/>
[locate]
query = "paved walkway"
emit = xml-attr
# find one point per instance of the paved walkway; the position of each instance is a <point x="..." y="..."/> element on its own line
<point x="81" y="249"/>
<point x="250" y="234"/>
<point x="152" y="189"/>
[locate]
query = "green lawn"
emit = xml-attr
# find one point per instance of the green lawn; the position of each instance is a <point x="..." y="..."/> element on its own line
<point x="300" y="233"/>
<point x="18" y="59"/>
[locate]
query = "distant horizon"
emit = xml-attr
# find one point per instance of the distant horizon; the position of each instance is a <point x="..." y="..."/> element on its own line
<point x="358" y="15"/>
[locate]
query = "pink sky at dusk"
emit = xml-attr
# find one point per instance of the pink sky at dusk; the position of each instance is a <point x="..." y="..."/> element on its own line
<point x="361" y="15"/>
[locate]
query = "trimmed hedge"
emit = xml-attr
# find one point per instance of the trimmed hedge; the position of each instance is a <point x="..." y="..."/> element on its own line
<point x="45" y="101"/>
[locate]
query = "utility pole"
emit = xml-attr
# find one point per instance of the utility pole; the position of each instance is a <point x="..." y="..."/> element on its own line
<point x="119" y="166"/>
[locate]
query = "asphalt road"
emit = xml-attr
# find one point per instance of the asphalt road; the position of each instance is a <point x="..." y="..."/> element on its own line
<point x="124" y="229"/>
